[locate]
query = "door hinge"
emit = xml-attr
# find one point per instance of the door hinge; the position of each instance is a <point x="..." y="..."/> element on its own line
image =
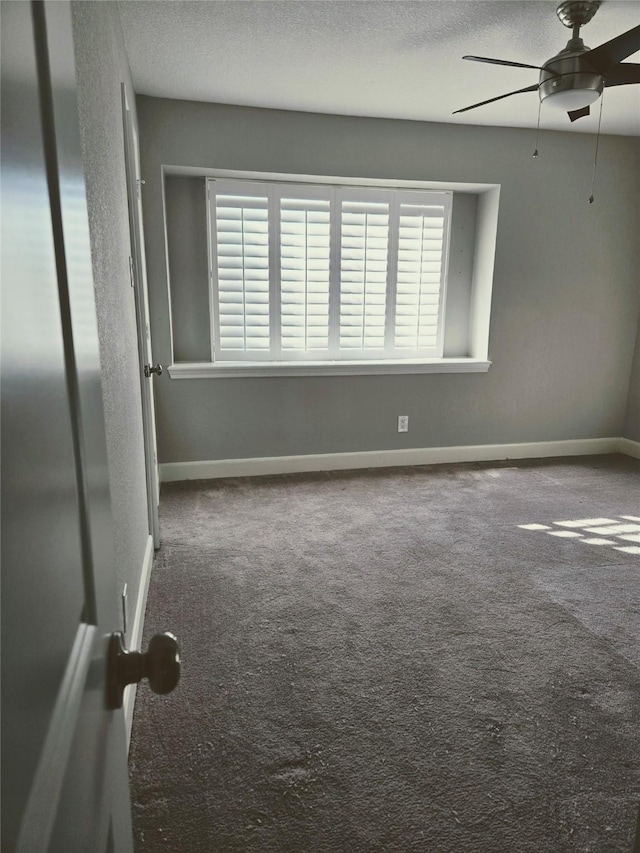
<point x="132" y="279"/>
<point x="124" y="610"/>
<point x="139" y="183"/>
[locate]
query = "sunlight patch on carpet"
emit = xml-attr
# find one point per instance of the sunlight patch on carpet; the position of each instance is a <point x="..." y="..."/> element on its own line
<point x="618" y="531"/>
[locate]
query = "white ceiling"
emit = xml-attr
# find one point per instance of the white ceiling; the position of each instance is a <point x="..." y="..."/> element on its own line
<point x="386" y="58"/>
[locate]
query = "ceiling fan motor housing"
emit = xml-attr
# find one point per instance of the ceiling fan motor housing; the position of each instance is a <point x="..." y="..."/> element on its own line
<point x="566" y="79"/>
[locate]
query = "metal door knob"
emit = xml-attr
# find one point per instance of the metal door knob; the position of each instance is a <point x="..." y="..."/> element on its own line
<point x="152" y="368"/>
<point x="160" y="665"/>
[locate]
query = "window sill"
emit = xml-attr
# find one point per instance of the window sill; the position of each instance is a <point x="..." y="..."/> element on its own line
<point x="235" y="369"/>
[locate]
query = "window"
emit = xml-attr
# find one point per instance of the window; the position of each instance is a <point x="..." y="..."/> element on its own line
<point x="322" y="273"/>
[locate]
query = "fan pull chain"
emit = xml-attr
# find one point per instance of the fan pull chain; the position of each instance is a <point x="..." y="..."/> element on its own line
<point x="535" y="153"/>
<point x="595" y="158"/>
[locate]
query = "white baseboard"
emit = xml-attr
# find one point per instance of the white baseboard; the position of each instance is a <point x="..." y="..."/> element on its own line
<point x="134" y="638"/>
<point x="173" y="471"/>
<point x="629" y="447"/>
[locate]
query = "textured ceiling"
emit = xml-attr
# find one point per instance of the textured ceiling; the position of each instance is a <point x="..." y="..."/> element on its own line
<point x="386" y="58"/>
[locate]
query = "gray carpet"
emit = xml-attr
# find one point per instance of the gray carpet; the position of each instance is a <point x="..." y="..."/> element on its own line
<point x="387" y="661"/>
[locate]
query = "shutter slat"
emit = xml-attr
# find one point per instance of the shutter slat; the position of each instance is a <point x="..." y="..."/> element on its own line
<point x="242" y="259"/>
<point x="364" y="253"/>
<point x="305" y="232"/>
<point x="419" y="281"/>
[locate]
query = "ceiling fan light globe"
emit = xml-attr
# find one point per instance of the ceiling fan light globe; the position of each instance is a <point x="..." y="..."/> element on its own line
<point x="572" y="99"/>
<point x="567" y="82"/>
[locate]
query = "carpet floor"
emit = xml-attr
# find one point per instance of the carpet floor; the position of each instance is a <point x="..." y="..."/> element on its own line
<point x="442" y="659"/>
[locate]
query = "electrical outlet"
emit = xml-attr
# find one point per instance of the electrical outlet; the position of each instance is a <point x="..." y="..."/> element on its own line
<point x="403" y="423"/>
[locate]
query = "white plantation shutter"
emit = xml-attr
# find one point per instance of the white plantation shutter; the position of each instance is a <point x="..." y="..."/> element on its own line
<point x="305" y="231"/>
<point x="364" y="256"/>
<point x="319" y="272"/>
<point x="241" y="263"/>
<point x="420" y="279"/>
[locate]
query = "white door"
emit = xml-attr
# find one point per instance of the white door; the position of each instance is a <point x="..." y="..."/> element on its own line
<point x="64" y="758"/>
<point x="139" y="281"/>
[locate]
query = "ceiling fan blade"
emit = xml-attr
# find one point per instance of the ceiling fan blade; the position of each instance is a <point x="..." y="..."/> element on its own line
<point x="574" y="115"/>
<point x="502" y="62"/>
<point x="622" y="74"/>
<point x="491" y="100"/>
<point x="604" y="56"/>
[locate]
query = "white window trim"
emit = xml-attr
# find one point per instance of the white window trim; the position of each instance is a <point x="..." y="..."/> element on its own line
<point x="335" y="193"/>
<point x="233" y="370"/>
<point x="481" y="290"/>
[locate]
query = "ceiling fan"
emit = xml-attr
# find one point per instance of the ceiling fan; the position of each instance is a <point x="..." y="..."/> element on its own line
<point x="574" y="78"/>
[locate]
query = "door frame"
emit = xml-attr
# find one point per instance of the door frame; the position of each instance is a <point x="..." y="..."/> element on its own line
<point x="141" y="293"/>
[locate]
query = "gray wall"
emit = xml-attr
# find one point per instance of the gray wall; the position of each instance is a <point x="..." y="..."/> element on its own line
<point x="101" y="67"/>
<point x="186" y="216"/>
<point x="565" y="299"/>
<point x="632" y="422"/>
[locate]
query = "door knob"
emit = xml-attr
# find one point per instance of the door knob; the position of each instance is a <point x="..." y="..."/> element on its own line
<point x="152" y="368"/>
<point x="161" y="665"/>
